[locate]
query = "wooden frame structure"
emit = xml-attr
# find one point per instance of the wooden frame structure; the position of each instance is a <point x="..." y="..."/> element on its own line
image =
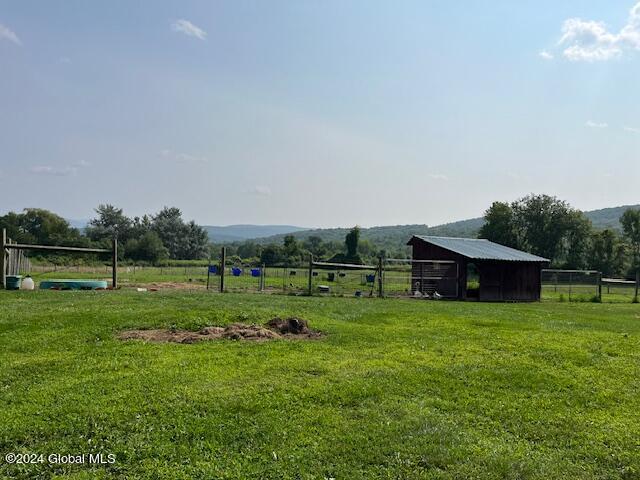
<point x="6" y="245"/>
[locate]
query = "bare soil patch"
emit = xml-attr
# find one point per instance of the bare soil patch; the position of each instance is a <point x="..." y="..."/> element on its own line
<point x="274" y="329"/>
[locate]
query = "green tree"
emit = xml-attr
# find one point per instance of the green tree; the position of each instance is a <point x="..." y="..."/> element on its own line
<point x="351" y="242"/>
<point x="577" y="240"/>
<point x="549" y="227"/>
<point x="148" y="248"/>
<point x="630" y="221"/>
<point x="315" y="246"/>
<point x="248" y="249"/>
<point x="499" y="225"/>
<point x="39" y="226"/>
<point x="195" y="242"/>
<point x="291" y="249"/>
<point x="110" y="222"/>
<point x="169" y="226"/>
<point x="271" y="255"/>
<point x="607" y="253"/>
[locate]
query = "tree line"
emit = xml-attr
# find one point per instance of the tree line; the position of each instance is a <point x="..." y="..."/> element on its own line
<point x="551" y="228"/>
<point x="539" y="224"/>
<point x="150" y="238"/>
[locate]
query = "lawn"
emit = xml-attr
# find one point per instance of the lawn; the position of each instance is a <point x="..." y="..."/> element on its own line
<point x="397" y="389"/>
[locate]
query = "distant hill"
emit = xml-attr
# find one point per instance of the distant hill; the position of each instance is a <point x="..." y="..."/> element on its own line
<point x="609" y="217"/>
<point x="397" y="235"/>
<point x="233" y="233"/>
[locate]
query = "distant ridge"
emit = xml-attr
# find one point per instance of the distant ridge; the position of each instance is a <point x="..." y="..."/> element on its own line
<point x="233" y="233"/>
<point x="398" y="235"/>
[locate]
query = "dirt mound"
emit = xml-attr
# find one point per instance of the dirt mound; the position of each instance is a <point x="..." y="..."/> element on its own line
<point x="289" y="325"/>
<point x="275" y="329"/>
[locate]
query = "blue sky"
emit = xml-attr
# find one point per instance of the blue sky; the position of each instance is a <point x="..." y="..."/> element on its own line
<point x="317" y="113"/>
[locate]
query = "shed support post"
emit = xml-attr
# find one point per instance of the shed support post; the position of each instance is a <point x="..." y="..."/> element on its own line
<point x="223" y="261"/>
<point x="3" y="260"/>
<point x="114" y="265"/>
<point x="310" y="286"/>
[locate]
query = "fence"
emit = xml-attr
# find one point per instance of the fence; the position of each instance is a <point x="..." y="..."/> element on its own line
<point x="17" y="263"/>
<point x="581" y="285"/>
<point x="400" y="277"/>
<point x="421" y="278"/>
<point x="571" y="283"/>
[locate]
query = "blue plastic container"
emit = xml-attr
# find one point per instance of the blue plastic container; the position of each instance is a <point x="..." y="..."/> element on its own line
<point x="73" y="285"/>
<point x="235" y="271"/>
<point x="255" y="272"/>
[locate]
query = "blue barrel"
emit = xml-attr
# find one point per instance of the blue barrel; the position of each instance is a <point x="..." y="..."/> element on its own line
<point x="14" y="282"/>
<point x="255" y="272"/>
<point x="235" y="271"/>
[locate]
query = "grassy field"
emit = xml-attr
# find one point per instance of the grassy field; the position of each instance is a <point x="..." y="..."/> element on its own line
<point x="397" y="389"/>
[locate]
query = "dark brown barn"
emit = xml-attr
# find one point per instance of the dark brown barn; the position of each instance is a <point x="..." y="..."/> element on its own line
<point x="476" y="269"/>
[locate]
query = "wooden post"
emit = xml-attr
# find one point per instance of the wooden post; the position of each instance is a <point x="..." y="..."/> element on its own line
<point x="570" y="284"/>
<point x="637" y="284"/>
<point x="600" y="286"/>
<point x="114" y="264"/>
<point x="380" y="281"/>
<point x="208" y="273"/>
<point x="262" y="276"/>
<point x="310" y="287"/>
<point x="3" y="260"/>
<point x="223" y="261"/>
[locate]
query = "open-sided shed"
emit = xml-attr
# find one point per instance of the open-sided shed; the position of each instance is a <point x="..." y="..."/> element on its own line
<point x="503" y="273"/>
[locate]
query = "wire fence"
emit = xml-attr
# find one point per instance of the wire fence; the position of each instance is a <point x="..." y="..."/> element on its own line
<point x="400" y="278"/>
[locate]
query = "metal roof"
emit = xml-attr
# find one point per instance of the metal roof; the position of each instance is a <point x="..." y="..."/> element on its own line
<point x="481" y="249"/>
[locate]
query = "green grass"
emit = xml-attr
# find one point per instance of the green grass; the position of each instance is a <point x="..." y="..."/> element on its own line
<point x="397" y="389"/>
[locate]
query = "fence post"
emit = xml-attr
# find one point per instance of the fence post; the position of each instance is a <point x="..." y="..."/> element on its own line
<point x="114" y="266"/>
<point x="600" y="286"/>
<point x="3" y="260"/>
<point x="637" y="285"/>
<point x="263" y="273"/>
<point x="380" y="281"/>
<point x="570" y="284"/>
<point x="223" y="261"/>
<point x="310" y="287"/>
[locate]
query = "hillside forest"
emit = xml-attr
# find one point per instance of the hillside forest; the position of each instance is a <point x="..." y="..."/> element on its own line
<point x="540" y="224"/>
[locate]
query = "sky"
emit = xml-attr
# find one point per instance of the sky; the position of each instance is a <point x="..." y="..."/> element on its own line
<point x="317" y="113"/>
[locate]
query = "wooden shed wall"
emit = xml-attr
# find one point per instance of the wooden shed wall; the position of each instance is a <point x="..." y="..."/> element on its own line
<point x="499" y="280"/>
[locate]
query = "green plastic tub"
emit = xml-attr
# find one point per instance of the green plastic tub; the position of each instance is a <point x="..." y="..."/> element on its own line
<point x="73" y="285"/>
<point x="13" y="282"/>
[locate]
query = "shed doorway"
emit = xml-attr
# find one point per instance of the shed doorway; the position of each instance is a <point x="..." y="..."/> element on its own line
<point x="473" y="281"/>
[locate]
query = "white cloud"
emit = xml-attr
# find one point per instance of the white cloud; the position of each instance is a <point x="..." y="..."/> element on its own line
<point x="590" y="41"/>
<point x="260" y="190"/>
<point x="8" y="34"/>
<point x="189" y="29"/>
<point x="65" y="60"/>
<point x="82" y="163"/>
<point x="632" y="129"/>
<point x="53" y="171"/>
<point x="545" y="55"/>
<point x="592" y="124"/>
<point x="183" y="157"/>
<point x="439" y="176"/>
